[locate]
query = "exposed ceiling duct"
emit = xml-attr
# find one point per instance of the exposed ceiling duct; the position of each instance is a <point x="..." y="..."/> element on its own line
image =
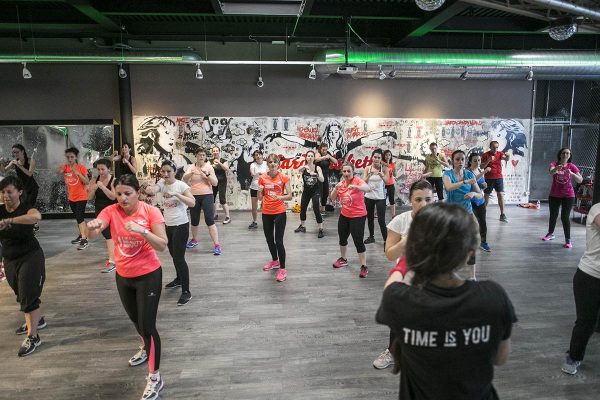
<point x="451" y="64"/>
<point x="103" y="57"/>
<point x="569" y="8"/>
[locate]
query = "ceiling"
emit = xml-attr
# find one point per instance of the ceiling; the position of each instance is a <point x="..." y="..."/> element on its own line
<point x="321" y="24"/>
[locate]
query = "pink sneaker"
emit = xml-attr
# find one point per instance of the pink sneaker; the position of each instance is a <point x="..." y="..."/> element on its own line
<point x="568" y="244"/>
<point x="340" y="262"/>
<point x="281" y="275"/>
<point x="364" y="271"/>
<point x="549" y="236"/>
<point x="271" y="265"/>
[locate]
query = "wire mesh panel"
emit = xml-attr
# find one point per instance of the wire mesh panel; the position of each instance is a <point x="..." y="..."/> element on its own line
<point x="584" y="144"/>
<point x="553" y="101"/>
<point x="586" y="103"/>
<point x="547" y="140"/>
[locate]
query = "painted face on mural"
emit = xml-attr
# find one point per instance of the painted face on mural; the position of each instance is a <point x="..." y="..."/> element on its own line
<point x="165" y="139"/>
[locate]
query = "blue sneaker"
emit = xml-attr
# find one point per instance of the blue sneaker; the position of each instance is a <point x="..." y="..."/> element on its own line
<point x="217" y="250"/>
<point x="191" y="244"/>
<point x="485" y="246"/>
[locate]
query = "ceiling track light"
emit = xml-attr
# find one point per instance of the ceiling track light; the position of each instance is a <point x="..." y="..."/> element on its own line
<point x="122" y="72"/>
<point x="199" y="74"/>
<point x="429" y="5"/>
<point x="260" y="82"/>
<point x="313" y="73"/>
<point x="464" y="76"/>
<point x="382" y="75"/>
<point x="529" y="75"/>
<point x="563" y="28"/>
<point x="26" y="72"/>
<point x="392" y="74"/>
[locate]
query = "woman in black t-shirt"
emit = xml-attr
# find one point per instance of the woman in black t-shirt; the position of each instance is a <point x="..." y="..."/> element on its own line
<point x="125" y="162"/>
<point x="25" y="167"/>
<point x="102" y="191"/>
<point x="24" y="261"/>
<point x="323" y="159"/>
<point x="449" y="333"/>
<point x="312" y="177"/>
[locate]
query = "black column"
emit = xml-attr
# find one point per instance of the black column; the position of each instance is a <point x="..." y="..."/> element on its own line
<point x="596" y="197"/>
<point x="125" y="105"/>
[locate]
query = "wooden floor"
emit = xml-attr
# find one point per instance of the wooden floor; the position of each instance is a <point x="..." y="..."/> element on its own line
<point x="244" y="336"/>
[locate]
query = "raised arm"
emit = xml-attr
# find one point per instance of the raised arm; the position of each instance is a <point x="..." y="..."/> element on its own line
<point x="320" y="174"/>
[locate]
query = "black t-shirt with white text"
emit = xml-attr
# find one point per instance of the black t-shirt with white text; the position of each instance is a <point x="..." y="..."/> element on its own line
<point x="448" y="338"/>
<point x="17" y="240"/>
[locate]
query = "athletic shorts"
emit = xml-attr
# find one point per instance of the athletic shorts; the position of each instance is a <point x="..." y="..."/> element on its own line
<point x="492" y="184"/>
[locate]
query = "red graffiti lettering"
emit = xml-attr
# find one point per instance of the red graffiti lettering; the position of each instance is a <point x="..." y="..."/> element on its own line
<point x="470" y="122"/>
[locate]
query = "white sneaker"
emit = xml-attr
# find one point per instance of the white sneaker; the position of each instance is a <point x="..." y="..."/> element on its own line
<point x="138" y="358"/>
<point x="384" y="360"/>
<point x="153" y="388"/>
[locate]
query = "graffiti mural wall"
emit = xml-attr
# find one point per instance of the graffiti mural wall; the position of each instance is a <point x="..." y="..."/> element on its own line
<point x="158" y="138"/>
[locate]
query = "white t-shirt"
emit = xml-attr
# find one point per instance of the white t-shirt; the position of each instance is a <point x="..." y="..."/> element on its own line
<point x="377" y="186"/>
<point x="401" y="223"/>
<point x="175" y="211"/>
<point x="590" y="261"/>
<point x="258" y="169"/>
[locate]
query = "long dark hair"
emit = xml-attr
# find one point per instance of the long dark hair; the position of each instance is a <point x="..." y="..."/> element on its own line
<point x="20" y="147"/>
<point x="471" y="156"/>
<point x="385" y="153"/>
<point x="439" y="241"/>
<point x="560" y="151"/>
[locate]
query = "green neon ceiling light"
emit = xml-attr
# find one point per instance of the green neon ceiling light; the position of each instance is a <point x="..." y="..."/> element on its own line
<point x="468" y="59"/>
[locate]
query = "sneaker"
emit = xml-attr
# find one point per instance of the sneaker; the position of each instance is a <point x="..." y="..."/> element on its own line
<point x="385" y="360"/>
<point x="138" y="358"/>
<point x="29" y="345"/>
<point x="76" y="240"/>
<point x="340" y="262"/>
<point x="271" y="265"/>
<point x="226" y="221"/>
<point x="364" y="271"/>
<point x="83" y="244"/>
<point x="184" y="299"/>
<point x="173" y="284"/>
<point x="485" y="246"/>
<point x="321" y="234"/>
<point x="23" y="328"/>
<point x="503" y="218"/>
<point x="549" y="236"/>
<point x="109" y="266"/>
<point x="191" y="244"/>
<point x="568" y="244"/>
<point x="281" y="275"/>
<point x="153" y="387"/>
<point x="253" y="225"/>
<point x="217" y="250"/>
<point x="300" y="229"/>
<point x="369" y="240"/>
<point x="570" y="366"/>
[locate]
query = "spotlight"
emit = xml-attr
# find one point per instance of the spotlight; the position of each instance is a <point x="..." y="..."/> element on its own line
<point x="464" y="76"/>
<point x="429" y="5"/>
<point x="26" y="72"/>
<point x="199" y="74"/>
<point x="313" y="73"/>
<point x="260" y="82"/>
<point x="122" y="72"/>
<point x="562" y="29"/>
<point x="392" y="74"/>
<point x="381" y="74"/>
<point x="529" y="75"/>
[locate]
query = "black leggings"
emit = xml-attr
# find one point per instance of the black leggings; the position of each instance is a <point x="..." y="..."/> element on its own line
<point x="31" y="195"/>
<point x="480" y="213"/>
<point x="307" y="196"/>
<point x="178" y="236"/>
<point x="78" y="208"/>
<point x="275" y="222"/>
<point x="140" y="297"/>
<point x="586" y="290"/>
<point x="204" y="202"/>
<point x="564" y="204"/>
<point x="221" y="189"/>
<point x="380" y="205"/>
<point x="356" y="228"/>
<point x="325" y="191"/>
<point x="438" y="184"/>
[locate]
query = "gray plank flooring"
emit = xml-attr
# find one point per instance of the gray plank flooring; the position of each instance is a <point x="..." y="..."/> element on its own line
<point x="244" y="336"/>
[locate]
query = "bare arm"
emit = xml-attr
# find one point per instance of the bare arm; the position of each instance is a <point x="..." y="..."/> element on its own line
<point x="288" y="192"/>
<point x="131" y="164"/>
<point x="448" y="185"/>
<point x="157" y="237"/>
<point x="444" y="162"/>
<point x="320" y="174"/>
<point x="395" y="245"/>
<point x="394" y="277"/>
<point x="186" y="198"/>
<point x="577" y="176"/>
<point x="83" y="178"/>
<point x="28" y="172"/>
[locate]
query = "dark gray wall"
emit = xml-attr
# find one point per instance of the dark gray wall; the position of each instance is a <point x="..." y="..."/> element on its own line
<point x="232" y="91"/>
<point x="91" y="92"/>
<point x="57" y="92"/>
